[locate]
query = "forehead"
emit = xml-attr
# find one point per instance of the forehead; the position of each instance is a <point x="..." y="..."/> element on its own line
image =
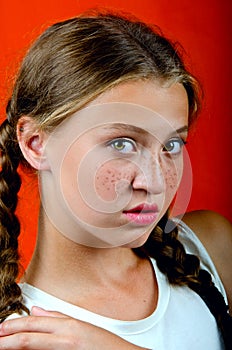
<point x="145" y="105"/>
<point x="126" y="128"/>
<point x="169" y="101"/>
<point x="108" y="117"/>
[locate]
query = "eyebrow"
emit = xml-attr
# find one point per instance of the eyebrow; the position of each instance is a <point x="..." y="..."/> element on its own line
<point x="183" y="129"/>
<point x="135" y="129"/>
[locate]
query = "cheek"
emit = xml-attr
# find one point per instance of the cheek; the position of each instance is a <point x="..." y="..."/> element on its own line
<point x="172" y="177"/>
<point x="110" y="181"/>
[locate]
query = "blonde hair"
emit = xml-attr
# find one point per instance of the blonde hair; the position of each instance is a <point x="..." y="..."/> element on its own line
<point x="76" y="60"/>
<point x="69" y="65"/>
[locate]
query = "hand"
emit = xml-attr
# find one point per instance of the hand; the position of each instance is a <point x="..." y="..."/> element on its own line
<point x="46" y="330"/>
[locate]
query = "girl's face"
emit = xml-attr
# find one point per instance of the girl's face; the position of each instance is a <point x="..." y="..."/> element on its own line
<point x="115" y="166"/>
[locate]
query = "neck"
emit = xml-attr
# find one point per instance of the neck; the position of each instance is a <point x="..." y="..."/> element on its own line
<point x="106" y="281"/>
<point x="57" y="259"/>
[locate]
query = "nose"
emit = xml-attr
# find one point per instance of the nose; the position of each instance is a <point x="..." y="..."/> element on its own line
<point x="149" y="176"/>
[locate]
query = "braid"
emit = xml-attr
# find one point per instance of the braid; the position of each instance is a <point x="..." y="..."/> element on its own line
<point x="10" y="182"/>
<point x="216" y="303"/>
<point x="184" y="269"/>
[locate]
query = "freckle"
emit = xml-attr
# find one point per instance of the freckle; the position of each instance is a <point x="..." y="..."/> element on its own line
<point x="108" y="188"/>
<point x="112" y="181"/>
<point x="108" y="171"/>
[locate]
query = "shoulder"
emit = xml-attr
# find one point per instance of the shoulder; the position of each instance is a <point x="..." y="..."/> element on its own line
<point x="215" y="233"/>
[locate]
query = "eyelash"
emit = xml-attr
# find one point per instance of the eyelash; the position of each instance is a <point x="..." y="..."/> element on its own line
<point x="122" y="140"/>
<point x="181" y="143"/>
<point x="132" y="143"/>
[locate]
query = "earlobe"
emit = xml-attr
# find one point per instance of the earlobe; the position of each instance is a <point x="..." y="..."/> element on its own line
<point x="32" y="143"/>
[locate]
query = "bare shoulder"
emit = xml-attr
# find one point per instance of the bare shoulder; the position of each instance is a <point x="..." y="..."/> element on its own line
<point x="215" y="232"/>
<point x="211" y="227"/>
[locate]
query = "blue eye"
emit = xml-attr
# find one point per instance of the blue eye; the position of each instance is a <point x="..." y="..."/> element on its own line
<point x="174" y="146"/>
<point x="123" y="145"/>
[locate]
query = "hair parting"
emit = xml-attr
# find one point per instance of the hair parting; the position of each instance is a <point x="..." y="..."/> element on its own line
<point x="68" y="66"/>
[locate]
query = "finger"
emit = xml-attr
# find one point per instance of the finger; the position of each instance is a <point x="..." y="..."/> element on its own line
<point x="36" y="341"/>
<point x="31" y="324"/>
<point x="38" y="311"/>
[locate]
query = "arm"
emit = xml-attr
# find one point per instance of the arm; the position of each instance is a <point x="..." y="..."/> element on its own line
<point x="55" y="331"/>
<point x="215" y="232"/>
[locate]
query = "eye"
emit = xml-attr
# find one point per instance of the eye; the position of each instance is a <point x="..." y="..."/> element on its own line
<point x="123" y="145"/>
<point x="174" y="146"/>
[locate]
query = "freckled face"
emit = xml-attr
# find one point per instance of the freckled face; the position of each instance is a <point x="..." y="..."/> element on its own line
<point x="122" y="152"/>
<point x="108" y="180"/>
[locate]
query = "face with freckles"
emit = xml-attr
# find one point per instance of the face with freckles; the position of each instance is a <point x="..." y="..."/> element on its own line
<point x="114" y="167"/>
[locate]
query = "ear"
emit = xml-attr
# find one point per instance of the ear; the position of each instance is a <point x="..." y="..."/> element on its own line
<point x="32" y="143"/>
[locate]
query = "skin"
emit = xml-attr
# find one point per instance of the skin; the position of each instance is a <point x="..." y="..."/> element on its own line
<point x="215" y="232"/>
<point x="116" y="275"/>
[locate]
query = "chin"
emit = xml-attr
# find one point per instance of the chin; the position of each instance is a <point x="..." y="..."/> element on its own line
<point x="139" y="242"/>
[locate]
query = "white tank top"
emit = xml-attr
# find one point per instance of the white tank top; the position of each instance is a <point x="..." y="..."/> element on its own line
<point x="181" y="320"/>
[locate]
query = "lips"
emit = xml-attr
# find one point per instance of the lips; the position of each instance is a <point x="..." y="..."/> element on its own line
<point x="143" y="214"/>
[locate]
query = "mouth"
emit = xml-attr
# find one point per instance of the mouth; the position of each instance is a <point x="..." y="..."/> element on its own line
<point x="143" y="214"/>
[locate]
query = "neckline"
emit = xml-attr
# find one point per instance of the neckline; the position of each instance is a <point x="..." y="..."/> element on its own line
<point x="36" y="297"/>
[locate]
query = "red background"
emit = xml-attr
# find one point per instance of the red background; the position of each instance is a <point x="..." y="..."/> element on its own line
<point x="202" y="27"/>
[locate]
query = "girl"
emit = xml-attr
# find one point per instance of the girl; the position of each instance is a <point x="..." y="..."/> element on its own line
<point x="101" y="109"/>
